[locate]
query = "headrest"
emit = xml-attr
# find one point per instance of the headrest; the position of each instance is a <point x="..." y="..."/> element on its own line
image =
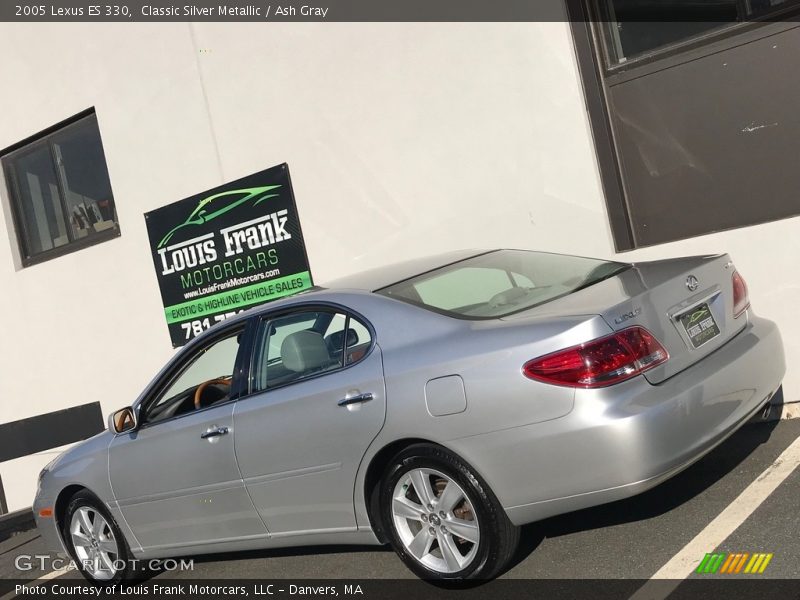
<point x="303" y="351"/>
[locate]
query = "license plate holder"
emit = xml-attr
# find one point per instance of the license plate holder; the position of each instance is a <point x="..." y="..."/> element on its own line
<point x="699" y="325"/>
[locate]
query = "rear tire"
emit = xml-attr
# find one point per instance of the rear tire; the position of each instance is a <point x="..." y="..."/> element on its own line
<point x="442" y="519"/>
<point x="95" y="542"/>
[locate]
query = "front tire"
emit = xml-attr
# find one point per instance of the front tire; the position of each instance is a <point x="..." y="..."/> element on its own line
<point x="95" y="542"/>
<point x="442" y="519"/>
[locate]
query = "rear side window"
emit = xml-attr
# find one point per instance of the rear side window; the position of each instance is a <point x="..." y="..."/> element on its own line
<point x="500" y="283"/>
<point x="305" y="344"/>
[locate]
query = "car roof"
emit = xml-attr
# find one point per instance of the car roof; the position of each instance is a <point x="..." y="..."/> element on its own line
<point x="379" y="278"/>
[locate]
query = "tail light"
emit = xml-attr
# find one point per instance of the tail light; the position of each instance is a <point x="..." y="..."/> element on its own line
<point x="601" y="362"/>
<point x="741" y="300"/>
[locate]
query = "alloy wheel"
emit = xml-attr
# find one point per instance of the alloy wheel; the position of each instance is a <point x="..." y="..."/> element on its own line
<point x="435" y="520"/>
<point x="94" y="543"/>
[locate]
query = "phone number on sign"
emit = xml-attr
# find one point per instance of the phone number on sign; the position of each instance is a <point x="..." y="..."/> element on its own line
<point x="195" y="328"/>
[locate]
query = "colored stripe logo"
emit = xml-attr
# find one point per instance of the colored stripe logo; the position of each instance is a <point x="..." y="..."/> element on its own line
<point x="734" y="563"/>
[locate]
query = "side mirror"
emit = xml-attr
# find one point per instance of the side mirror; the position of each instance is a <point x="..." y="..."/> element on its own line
<point x="122" y="420"/>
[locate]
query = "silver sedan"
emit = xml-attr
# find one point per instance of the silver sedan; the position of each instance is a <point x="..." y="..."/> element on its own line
<point x="436" y="405"/>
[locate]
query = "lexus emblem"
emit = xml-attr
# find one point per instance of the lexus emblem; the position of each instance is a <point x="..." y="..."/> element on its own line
<point x="692" y="283"/>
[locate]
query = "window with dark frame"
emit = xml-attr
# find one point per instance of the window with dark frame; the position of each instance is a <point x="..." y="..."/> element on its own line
<point x="680" y="101"/>
<point x="59" y="190"/>
<point x="634" y="29"/>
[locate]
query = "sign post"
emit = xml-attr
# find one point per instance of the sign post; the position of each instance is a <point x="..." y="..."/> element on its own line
<point x="227" y="249"/>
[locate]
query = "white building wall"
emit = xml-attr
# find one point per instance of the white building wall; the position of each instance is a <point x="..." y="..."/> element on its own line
<point x="402" y="140"/>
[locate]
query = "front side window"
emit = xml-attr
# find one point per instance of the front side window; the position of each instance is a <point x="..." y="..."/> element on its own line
<point x="204" y="381"/>
<point x="500" y="283"/>
<point x="300" y="345"/>
<point x="60" y="192"/>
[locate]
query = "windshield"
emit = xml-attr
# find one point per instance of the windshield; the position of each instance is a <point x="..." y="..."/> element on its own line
<point x="500" y="283"/>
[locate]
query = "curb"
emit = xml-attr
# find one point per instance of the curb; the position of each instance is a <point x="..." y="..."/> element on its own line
<point x="20" y="520"/>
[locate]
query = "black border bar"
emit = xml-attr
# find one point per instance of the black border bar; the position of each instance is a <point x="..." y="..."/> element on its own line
<point x="337" y="10"/>
<point x="756" y="588"/>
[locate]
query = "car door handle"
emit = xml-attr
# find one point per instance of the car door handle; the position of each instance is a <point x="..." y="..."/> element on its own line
<point x="214" y="432"/>
<point x="366" y="397"/>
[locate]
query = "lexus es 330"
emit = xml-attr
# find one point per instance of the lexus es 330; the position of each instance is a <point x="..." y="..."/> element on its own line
<point x="436" y="405"/>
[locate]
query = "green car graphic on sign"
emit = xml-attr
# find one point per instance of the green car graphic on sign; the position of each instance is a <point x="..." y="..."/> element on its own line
<point x="201" y="215"/>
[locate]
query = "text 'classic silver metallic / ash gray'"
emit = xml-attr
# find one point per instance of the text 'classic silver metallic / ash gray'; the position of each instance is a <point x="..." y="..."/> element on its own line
<point x="435" y="405"/>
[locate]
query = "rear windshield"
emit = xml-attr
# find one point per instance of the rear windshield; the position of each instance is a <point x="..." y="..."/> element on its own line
<point x="500" y="283"/>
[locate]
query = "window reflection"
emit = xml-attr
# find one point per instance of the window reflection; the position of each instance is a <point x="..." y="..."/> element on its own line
<point x="60" y="191"/>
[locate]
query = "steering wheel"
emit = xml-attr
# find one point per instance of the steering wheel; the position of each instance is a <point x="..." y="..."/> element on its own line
<point x="198" y="393"/>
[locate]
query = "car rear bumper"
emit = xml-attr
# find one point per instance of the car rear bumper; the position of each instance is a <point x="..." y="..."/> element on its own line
<point x="624" y="439"/>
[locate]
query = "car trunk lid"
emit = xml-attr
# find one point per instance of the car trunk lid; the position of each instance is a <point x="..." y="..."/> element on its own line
<point x="686" y="303"/>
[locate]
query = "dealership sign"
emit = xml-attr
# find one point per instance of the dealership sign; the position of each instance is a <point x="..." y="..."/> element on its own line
<point x="226" y="249"/>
